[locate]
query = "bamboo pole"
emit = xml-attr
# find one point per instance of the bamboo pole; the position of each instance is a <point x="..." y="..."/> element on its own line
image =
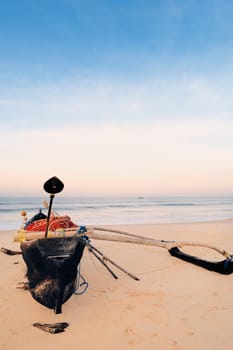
<point x="105" y="258"/>
<point x="91" y="250"/>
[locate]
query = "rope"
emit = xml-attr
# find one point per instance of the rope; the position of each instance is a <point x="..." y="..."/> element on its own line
<point x="79" y="285"/>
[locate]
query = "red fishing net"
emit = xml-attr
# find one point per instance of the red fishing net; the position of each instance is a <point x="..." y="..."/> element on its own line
<point x="54" y="224"/>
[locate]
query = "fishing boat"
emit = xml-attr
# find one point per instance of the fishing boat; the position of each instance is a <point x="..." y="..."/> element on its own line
<point x="52" y="264"/>
<point x="52" y="248"/>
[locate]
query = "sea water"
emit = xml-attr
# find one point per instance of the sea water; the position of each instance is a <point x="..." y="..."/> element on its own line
<point x="119" y="210"/>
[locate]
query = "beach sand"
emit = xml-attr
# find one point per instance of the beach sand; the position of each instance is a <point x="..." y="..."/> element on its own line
<point x="175" y="305"/>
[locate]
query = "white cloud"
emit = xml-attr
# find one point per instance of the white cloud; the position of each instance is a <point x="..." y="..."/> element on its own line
<point x="81" y="102"/>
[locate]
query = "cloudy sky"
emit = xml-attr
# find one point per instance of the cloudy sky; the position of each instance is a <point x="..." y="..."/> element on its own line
<point x="117" y="97"/>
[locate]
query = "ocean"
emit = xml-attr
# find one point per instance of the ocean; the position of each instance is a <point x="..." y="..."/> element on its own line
<point x="119" y="210"/>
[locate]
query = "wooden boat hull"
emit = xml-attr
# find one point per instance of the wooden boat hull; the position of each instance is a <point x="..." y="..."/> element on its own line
<point x="52" y="268"/>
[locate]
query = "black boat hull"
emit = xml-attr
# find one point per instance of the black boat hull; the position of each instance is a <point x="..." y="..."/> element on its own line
<point x="225" y="267"/>
<point x="52" y="269"/>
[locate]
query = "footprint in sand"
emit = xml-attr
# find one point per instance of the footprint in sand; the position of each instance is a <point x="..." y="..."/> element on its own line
<point x="132" y="335"/>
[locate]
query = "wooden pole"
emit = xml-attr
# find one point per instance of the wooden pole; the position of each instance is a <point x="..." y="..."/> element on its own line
<point x="124" y="233"/>
<point x="161" y="244"/>
<point x="90" y="248"/>
<point x="113" y="263"/>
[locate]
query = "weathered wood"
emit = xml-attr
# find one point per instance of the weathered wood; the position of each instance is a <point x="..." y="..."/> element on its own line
<point x="124" y="233"/>
<point x="10" y="252"/>
<point x="23" y="285"/>
<point x="162" y="244"/>
<point x="123" y="239"/>
<point x="52" y="328"/>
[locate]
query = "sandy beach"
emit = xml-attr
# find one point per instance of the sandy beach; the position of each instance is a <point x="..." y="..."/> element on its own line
<point x="175" y="305"/>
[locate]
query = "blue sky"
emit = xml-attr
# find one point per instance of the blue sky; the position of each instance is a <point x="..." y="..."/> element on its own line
<point x="95" y="67"/>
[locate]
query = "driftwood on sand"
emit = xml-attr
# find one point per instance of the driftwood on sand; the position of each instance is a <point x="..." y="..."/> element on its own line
<point x="52" y="328"/>
<point x="10" y="252"/>
<point x="23" y="285"/>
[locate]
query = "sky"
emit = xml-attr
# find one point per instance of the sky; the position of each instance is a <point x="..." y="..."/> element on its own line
<point x="116" y="97"/>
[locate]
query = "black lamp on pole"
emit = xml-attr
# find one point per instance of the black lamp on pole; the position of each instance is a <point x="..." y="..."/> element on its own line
<point x="52" y="186"/>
